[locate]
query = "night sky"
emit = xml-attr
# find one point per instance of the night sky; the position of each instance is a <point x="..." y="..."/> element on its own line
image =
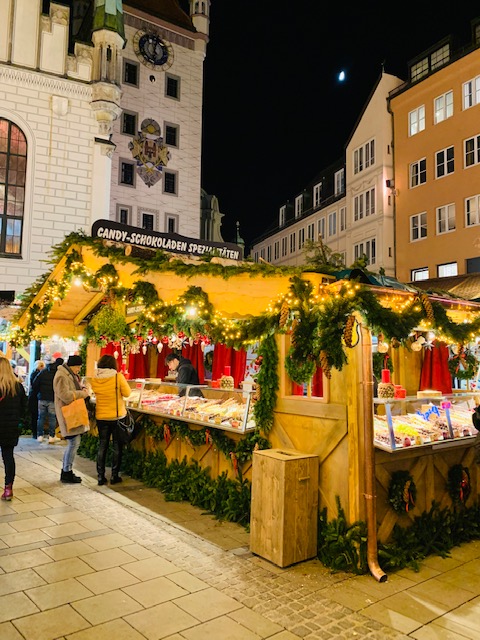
<point x="275" y="113"/>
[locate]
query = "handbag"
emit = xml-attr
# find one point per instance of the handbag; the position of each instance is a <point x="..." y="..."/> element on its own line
<point x="75" y="414"/>
<point x="125" y="425"/>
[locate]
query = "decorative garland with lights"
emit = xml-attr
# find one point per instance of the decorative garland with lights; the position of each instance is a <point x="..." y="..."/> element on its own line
<point x="317" y="322"/>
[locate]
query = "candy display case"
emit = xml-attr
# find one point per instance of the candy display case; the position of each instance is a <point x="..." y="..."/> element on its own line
<point x="421" y="422"/>
<point x="226" y="409"/>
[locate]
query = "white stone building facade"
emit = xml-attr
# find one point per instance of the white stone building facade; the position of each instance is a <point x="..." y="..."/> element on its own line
<point x="63" y="134"/>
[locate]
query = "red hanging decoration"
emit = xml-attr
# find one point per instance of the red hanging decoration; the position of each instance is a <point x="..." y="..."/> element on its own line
<point x="167" y="434"/>
<point x="234" y="462"/>
<point x="208" y="438"/>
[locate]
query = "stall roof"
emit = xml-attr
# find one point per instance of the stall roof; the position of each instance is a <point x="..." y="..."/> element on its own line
<point x="240" y="295"/>
<point x="465" y="286"/>
<point x="375" y="280"/>
<point x="237" y="296"/>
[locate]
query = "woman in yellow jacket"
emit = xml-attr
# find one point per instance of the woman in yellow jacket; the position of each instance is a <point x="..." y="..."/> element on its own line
<point x="110" y="388"/>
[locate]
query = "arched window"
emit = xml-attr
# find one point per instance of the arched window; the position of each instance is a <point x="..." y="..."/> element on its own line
<point x="13" y="168"/>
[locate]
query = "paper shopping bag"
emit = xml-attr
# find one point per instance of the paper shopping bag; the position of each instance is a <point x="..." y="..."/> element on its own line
<point x="75" y="414"/>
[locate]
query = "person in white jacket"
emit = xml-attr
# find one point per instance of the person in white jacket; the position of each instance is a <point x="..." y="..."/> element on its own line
<point x="67" y="388"/>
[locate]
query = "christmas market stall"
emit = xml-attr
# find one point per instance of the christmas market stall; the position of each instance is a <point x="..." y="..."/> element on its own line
<point x="358" y="375"/>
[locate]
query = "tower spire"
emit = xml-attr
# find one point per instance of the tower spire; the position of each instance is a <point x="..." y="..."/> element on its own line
<point x="108" y="37"/>
<point x="108" y="14"/>
<point x="200" y="13"/>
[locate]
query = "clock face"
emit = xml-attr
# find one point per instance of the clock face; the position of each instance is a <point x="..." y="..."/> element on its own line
<point x="152" y="50"/>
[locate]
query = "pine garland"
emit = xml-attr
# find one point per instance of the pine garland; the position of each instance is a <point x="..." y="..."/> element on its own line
<point x="321" y="326"/>
<point x="243" y="448"/>
<point x="267" y="379"/>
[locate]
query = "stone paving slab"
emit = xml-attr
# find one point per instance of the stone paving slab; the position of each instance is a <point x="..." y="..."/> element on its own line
<point x="136" y="575"/>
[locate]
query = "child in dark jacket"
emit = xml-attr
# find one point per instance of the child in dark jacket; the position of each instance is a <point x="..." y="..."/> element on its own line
<point x="13" y="403"/>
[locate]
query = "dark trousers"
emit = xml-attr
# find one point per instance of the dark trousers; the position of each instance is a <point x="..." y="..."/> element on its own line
<point x="9" y="464"/>
<point x="33" y="408"/>
<point x="107" y="429"/>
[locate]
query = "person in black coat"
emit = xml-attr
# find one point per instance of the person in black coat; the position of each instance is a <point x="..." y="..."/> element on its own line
<point x="42" y="388"/>
<point x="13" y="403"/>
<point x="186" y="372"/>
<point x="32" y="397"/>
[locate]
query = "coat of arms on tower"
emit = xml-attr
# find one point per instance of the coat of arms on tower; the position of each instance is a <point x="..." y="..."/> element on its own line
<point x="149" y="151"/>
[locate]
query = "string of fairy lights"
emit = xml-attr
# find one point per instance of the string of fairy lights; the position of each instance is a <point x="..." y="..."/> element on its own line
<point x="397" y="316"/>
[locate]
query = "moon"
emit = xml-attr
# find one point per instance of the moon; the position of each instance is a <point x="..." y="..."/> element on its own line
<point x="341" y="76"/>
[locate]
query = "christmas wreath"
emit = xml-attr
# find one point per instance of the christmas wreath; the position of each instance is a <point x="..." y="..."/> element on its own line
<point x="458" y="484"/>
<point x="463" y="364"/>
<point x="402" y="492"/>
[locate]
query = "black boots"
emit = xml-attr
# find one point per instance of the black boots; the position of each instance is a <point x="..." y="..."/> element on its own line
<point x="115" y="479"/>
<point x="68" y="477"/>
<point x="101" y="480"/>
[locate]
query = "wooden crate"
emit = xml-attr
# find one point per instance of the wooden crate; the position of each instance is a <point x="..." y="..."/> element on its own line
<point x="284" y="514"/>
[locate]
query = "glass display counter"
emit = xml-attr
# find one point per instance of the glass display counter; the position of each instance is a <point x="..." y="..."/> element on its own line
<point x="226" y="409"/>
<point x="425" y="421"/>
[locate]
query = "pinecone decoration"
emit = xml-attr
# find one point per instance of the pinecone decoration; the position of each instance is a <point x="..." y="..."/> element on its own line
<point x="324" y="364"/>
<point x="394" y="343"/>
<point x="406" y="492"/>
<point x="427" y="305"/>
<point x="348" y="331"/>
<point x="284" y="313"/>
<point x="257" y="392"/>
<point x="295" y="324"/>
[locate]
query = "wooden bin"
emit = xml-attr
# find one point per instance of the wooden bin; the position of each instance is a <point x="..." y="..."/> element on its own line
<point x="284" y="513"/>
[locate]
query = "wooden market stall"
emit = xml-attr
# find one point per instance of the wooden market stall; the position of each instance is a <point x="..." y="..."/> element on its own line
<point x="334" y="419"/>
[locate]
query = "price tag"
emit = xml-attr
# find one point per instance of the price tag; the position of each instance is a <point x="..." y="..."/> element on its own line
<point x="446" y="404"/>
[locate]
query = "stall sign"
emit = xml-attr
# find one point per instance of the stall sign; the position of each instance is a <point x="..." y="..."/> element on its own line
<point x="426" y="414"/>
<point x="122" y="233"/>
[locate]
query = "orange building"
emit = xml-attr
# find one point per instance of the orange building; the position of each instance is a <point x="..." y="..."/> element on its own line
<point x="436" y="134"/>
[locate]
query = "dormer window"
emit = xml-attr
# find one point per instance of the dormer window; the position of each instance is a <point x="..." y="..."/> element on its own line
<point x="317" y="191"/>
<point x="298" y="206"/>
<point x="339" y="182"/>
<point x="430" y="62"/>
<point x="282" y="216"/>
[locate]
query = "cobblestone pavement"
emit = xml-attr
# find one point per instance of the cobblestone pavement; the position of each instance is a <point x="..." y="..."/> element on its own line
<point x="85" y="562"/>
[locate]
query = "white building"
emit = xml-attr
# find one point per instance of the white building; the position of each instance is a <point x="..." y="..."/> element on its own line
<point x="348" y="204"/>
<point x="100" y="117"/>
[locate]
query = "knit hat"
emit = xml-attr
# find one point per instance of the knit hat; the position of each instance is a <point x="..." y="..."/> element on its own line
<point x="74" y="361"/>
<point x="56" y="355"/>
